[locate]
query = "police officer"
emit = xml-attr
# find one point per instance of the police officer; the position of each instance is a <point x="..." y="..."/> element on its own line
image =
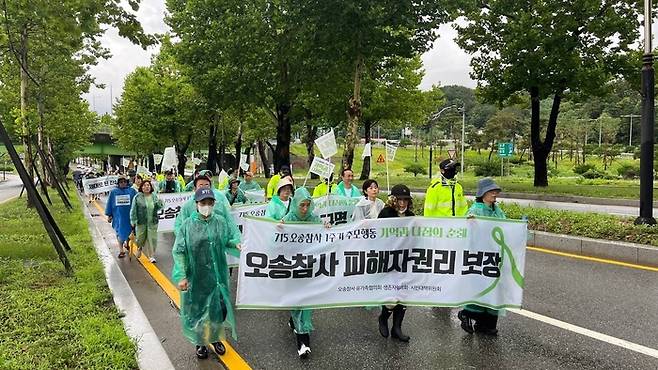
<point x="445" y="196"/>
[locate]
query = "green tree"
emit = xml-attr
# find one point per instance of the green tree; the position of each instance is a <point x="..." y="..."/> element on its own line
<point x="547" y="49"/>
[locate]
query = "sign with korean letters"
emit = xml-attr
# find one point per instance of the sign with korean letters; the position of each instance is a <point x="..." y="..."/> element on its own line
<point x="413" y="260"/>
<point x="173" y="203"/>
<point x="335" y="209"/>
<point x="99" y="185"/>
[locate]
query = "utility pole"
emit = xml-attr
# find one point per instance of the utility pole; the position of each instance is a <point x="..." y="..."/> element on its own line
<point x="630" y="130"/>
<point x="463" y="137"/>
<point x="648" y="120"/>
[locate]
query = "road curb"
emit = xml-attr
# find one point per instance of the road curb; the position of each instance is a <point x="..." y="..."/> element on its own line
<point x="639" y="254"/>
<point x="150" y="353"/>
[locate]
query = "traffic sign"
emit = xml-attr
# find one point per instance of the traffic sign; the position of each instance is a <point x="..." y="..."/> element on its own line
<point x="451" y="153"/>
<point x="505" y="149"/>
<point x="380" y="159"/>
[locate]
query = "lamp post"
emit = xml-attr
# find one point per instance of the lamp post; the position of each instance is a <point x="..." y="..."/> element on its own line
<point x="647" y="132"/>
<point x="435" y="117"/>
<point x="630" y="130"/>
<point x="463" y="108"/>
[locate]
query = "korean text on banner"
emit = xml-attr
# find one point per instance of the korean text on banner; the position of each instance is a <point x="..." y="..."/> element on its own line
<point x="327" y="144"/>
<point x="99" y="185"/>
<point x="367" y="151"/>
<point x="416" y="261"/>
<point x="321" y="167"/>
<point x="335" y="209"/>
<point x="173" y="202"/>
<point x="390" y="151"/>
<point x="239" y="213"/>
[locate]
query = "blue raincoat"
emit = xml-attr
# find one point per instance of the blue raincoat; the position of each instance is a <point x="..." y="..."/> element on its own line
<point x="118" y="206"/>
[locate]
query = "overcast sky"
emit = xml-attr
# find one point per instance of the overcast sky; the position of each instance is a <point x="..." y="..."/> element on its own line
<point x="445" y="63"/>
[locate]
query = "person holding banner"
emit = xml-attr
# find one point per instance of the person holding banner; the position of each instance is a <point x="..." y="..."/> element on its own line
<point x="201" y="273"/>
<point x="445" y="196"/>
<point x="301" y="321"/>
<point x="369" y="206"/>
<point x="345" y="187"/>
<point x="117" y="210"/>
<point x="280" y="203"/>
<point x="249" y="184"/>
<point x="170" y="184"/>
<point x="476" y="318"/>
<point x="399" y="205"/>
<point x="234" y="194"/>
<point x="144" y="219"/>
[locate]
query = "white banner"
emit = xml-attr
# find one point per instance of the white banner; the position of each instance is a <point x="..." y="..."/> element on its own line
<point x="252" y="210"/>
<point x="243" y="162"/>
<point x="170" y="160"/>
<point x="99" y="185"/>
<point x="367" y="151"/>
<point x="390" y="151"/>
<point x="255" y="196"/>
<point x="321" y="167"/>
<point x="173" y="202"/>
<point x="327" y="144"/>
<point x="416" y="261"/>
<point x="335" y="209"/>
<point x="157" y="158"/>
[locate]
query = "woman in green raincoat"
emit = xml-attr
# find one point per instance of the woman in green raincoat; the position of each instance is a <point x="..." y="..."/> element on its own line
<point x="301" y="321"/>
<point x="144" y="219"/>
<point x="201" y="273"/>
<point x="280" y="203"/>
<point x="476" y="318"/>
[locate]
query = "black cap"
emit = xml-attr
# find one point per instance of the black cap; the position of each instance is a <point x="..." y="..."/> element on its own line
<point x="204" y="193"/>
<point x="448" y="163"/>
<point x="401" y="192"/>
<point x="132" y="173"/>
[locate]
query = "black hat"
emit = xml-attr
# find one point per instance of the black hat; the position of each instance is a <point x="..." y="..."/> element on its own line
<point x="448" y="163"/>
<point x="132" y="173"/>
<point x="202" y="194"/>
<point x="401" y="192"/>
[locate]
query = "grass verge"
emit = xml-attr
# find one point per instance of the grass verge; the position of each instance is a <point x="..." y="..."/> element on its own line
<point x="50" y="320"/>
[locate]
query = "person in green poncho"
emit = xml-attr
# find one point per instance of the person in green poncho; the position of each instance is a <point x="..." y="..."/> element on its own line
<point x="201" y="273"/>
<point x="280" y="203"/>
<point x="144" y="219"/>
<point x="345" y="187"/>
<point x="249" y="184"/>
<point x="234" y="194"/>
<point x="301" y="321"/>
<point x="476" y="318"/>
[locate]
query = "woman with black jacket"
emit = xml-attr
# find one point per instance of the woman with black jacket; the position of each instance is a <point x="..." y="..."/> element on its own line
<point x="398" y="205"/>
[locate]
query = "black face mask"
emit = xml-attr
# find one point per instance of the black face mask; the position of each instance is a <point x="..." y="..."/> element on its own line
<point x="449" y="173"/>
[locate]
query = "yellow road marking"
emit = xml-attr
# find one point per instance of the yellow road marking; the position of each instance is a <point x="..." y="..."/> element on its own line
<point x="231" y="359"/>
<point x="594" y="259"/>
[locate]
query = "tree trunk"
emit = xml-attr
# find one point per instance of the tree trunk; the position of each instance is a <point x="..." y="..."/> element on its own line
<point x="311" y="135"/>
<point x="26" y="136"/>
<point x="282" y="151"/>
<point x="365" y="171"/>
<point x="41" y="139"/>
<point x="212" y="145"/>
<point x="263" y="158"/>
<point x="181" y="149"/>
<point x="542" y="149"/>
<point x="353" y="115"/>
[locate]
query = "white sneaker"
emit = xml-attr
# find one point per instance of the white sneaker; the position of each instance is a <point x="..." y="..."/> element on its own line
<point x="152" y="259"/>
<point x="304" y="351"/>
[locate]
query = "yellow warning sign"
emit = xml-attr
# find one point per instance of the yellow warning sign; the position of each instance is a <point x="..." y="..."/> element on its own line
<point x="380" y="159"/>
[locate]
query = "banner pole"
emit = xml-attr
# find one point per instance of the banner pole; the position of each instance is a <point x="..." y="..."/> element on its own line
<point x="305" y="178"/>
<point x="388" y="184"/>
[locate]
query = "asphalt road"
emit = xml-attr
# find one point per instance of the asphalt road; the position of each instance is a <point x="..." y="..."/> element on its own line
<point x="608" y="299"/>
<point x="10" y="188"/>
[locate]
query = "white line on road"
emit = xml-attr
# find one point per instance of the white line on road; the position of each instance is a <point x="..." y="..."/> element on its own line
<point x="588" y="333"/>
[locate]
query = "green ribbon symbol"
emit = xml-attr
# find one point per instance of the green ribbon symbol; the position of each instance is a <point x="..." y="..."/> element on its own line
<point x="499" y="237"/>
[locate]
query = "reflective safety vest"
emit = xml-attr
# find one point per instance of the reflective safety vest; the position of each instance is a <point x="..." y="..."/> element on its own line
<point x="445" y="198"/>
<point x="271" y="186"/>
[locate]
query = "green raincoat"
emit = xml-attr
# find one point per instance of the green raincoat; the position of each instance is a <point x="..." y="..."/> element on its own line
<point x="303" y="319"/>
<point x="250" y="186"/>
<point x="239" y="197"/>
<point x="221" y="208"/>
<point x="481" y="209"/>
<point x="339" y="189"/>
<point x="144" y="217"/>
<point x="199" y="255"/>
<point x="276" y="209"/>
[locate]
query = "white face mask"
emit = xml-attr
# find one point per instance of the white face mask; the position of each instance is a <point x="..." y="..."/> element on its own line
<point x="205" y="210"/>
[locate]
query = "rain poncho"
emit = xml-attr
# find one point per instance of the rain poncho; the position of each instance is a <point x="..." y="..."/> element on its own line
<point x="249" y="186"/>
<point x="340" y="190"/>
<point x="239" y="197"/>
<point x="481" y="209"/>
<point x="221" y="209"/>
<point x="144" y="216"/>
<point x="303" y="319"/>
<point x="276" y="209"/>
<point x="118" y="206"/>
<point x="199" y="255"/>
<point x="367" y="209"/>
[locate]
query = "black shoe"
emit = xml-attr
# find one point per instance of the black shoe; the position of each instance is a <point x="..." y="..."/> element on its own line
<point x="383" y="321"/>
<point x="219" y="348"/>
<point x="487" y="324"/>
<point x="303" y="345"/>
<point x="201" y="352"/>
<point x="467" y="324"/>
<point x="398" y="317"/>
<point x="291" y="325"/>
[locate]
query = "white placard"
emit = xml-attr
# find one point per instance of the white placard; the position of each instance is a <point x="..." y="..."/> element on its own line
<point x="390" y="151"/>
<point x="157" y="158"/>
<point x="99" y="185"/>
<point x="170" y="160"/>
<point x="327" y="144"/>
<point x="367" y="151"/>
<point x="321" y="167"/>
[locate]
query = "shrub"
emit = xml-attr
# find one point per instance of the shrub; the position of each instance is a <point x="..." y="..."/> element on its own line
<point x="487" y="169"/>
<point x="593" y="174"/>
<point x="582" y="168"/>
<point x="416" y="169"/>
<point x="629" y="171"/>
<point x="404" y="142"/>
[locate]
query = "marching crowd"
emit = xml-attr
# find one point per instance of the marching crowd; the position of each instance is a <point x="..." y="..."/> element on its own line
<point x="205" y="231"/>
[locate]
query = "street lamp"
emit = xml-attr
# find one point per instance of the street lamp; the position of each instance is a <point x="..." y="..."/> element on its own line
<point x="463" y="108"/>
<point x="630" y="130"/>
<point x="435" y="117"/>
<point x="647" y="132"/>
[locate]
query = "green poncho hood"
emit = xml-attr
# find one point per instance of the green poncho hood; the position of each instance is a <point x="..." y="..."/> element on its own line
<point x="301" y="195"/>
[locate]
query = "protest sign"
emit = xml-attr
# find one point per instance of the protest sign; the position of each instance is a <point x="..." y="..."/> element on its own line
<point x="157" y="158"/>
<point x="173" y="202"/>
<point x="99" y="185"/>
<point x="169" y="160"/>
<point x="327" y="144"/>
<point x="321" y="167"/>
<point x="335" y="209"/>
<point x="414" y="261"/>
